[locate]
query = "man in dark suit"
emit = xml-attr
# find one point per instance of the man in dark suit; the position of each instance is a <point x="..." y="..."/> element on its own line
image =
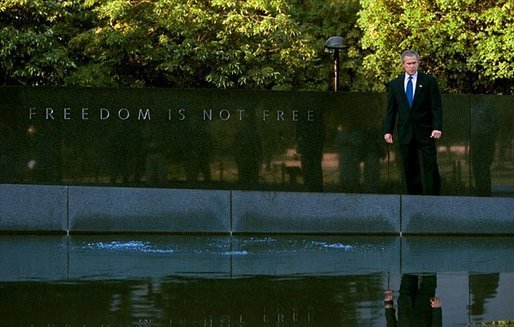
<point x="415" y="99"/>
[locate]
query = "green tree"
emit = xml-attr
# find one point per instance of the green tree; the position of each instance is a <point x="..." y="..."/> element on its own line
<point x="175" y="43"/>
<point x="275" y="44"/>
<point x="468" y="44"/>
<point x="32" y="42"/>
<point x="321" y="19"/>
<point x="218" y="43"/>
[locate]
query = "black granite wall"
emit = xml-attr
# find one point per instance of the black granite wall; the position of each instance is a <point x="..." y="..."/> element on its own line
<point x="234" y="139"/>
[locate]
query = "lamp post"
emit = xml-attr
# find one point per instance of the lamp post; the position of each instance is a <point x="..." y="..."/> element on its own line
<point x="333" y="45"/>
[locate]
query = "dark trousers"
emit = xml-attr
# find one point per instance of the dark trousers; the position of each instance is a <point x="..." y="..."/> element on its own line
<point x="414" y="300"/>
<point x="411" y="164"/>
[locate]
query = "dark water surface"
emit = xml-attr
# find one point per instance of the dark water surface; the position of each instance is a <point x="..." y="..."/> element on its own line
<point x="251" y="281"/>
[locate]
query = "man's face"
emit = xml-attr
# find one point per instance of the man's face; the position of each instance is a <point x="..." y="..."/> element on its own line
<point x="410" y="65"/>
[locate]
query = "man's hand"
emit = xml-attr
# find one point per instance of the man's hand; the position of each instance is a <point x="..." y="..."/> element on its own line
<point x="435" y="302"/>
<point x="388" y="138"/>
<point x="388" y="295"/>
<point x="436" y="134"/>
<point x="388" y="299"/>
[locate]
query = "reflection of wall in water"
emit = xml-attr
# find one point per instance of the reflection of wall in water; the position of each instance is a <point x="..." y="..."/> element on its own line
<point x="251" y="301"/>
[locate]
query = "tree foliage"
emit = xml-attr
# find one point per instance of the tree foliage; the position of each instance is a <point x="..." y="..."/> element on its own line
<point x="263" y="44"/>
<point x="176" y="43"/>
<point x="32" y="50"/>
<point x="468" y="44"/>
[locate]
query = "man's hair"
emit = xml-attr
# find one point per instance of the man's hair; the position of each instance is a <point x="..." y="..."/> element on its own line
<point x="409" y="53"/>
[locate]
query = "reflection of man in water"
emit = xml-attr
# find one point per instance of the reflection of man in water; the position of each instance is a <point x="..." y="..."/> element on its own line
<point x="417" y="304"/>
<point x="484" y="129"/>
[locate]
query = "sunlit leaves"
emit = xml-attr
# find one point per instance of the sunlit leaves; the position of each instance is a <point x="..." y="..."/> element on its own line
<point x="273" y="44"/>
<point x="29" y="57"/>
<point x="227" y="44"/>
<point x="468" y="44"/>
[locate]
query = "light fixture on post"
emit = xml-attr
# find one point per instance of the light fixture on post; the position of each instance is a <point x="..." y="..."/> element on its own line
<point x="333" y="45"/>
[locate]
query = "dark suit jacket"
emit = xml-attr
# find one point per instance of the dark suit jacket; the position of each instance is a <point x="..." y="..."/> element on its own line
<point x="425" y="115"/>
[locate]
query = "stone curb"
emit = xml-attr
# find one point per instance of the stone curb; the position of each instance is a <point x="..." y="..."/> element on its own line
<point x="84" y="209"/>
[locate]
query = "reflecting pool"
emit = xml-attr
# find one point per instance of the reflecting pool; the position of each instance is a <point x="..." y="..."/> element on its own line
<point x="130" y="280"/>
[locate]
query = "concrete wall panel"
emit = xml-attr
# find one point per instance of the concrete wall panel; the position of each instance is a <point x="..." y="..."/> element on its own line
<point x="278" y="212"/>
<point x="33" y="208"/>
<point x="108" y="209"/>
<point x="457" y="215"/>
